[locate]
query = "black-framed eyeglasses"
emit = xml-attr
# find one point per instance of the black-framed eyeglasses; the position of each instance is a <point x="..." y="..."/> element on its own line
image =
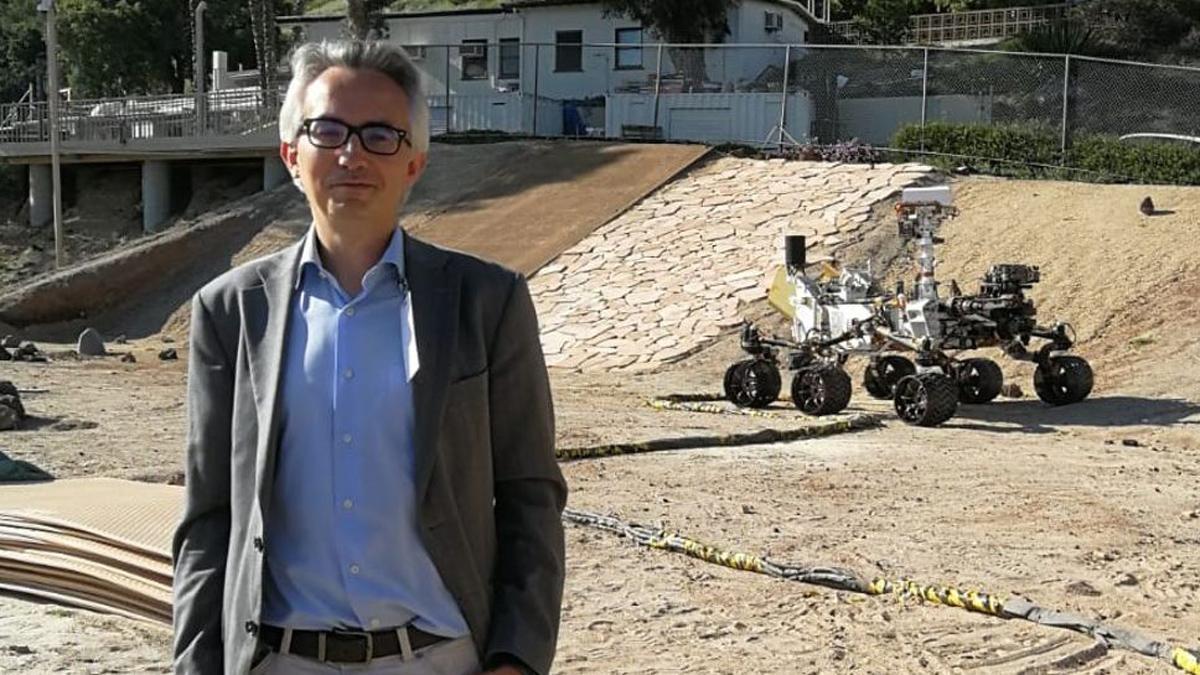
<point x="376" y="138"/>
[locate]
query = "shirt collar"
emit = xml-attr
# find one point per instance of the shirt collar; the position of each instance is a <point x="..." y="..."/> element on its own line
<point x="393" y="255"/>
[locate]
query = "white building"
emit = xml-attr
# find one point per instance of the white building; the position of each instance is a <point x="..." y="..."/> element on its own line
<point x="485" y="69"/>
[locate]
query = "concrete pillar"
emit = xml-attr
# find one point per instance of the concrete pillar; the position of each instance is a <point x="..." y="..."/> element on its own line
<point x="220" y="70"/>
<point x="156" y="194"/>
<point x="41" y="195"/>
<point x="274" y="173"/>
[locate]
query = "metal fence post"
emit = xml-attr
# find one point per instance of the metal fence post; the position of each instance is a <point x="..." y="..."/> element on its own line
<point x="924" y="96"/>
<point x="537" y="71"/>
<point x="657" y="84"/>
<point x="55" y="161"/>
<point x="1062" y="158"/>
<point x="448" y="112"/>
<point x="787" y="62"/>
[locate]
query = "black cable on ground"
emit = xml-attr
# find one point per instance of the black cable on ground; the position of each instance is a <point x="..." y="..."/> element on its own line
<point x="824" y="428"/>
<point x="848" y="580"/>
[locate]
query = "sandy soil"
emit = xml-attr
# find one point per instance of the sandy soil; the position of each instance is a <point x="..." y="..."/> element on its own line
<point x="1011" y="498"/>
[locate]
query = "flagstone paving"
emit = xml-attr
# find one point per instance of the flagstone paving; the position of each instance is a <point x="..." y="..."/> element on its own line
<point x="668" y="276"/>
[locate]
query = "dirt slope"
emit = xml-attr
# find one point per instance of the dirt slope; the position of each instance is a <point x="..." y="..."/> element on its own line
<point x="518" y="203"/>
<point x="524" y="203"/>
<point x="1128" y="283"/>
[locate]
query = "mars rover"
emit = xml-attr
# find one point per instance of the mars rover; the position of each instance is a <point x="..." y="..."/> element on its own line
<point x="844" y="312"/>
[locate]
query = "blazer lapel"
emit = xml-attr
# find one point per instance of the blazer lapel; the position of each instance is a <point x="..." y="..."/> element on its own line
<point x="265" y="312"/>
<point x="435" y="293"/>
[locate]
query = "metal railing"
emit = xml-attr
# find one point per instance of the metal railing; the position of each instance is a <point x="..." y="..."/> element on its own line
<point x="969" y="26"/>
<point x="229" y="112"/>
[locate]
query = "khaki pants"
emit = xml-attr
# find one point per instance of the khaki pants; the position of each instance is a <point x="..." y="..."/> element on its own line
<point x="448" y="657"/>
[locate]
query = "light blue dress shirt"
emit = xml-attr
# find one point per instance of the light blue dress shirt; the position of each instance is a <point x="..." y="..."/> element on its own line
<point x="342" y="545"/>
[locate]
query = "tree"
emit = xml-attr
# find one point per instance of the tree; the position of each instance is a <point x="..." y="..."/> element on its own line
<point x="22" y="50"/>
<point x="364" y="20"/>
<point x="263" y="30"/>
<point x="1137" y="27"/>
<point x="680" y="22"/>
<point x="1059" y="37"/>
<point x="145" y="59"/>
<point x="886" y="21"/>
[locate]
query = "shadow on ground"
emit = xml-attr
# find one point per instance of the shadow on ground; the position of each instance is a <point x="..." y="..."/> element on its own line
<point x="1030" y="416"/>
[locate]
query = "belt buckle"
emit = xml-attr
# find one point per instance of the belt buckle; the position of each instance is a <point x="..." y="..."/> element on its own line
<point x="366" y="637"/>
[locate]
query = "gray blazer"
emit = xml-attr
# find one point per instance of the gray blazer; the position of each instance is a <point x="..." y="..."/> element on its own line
<point x="490" y="493"/>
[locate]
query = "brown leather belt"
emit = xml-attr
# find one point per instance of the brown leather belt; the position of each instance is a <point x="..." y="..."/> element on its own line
<point x="346" y="646"/>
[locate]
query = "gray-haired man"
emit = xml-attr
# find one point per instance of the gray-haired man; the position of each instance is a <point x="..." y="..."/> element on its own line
<point x="370" y="466"/>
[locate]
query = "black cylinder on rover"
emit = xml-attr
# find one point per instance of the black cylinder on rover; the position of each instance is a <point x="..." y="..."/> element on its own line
<point x="793" y="245"/>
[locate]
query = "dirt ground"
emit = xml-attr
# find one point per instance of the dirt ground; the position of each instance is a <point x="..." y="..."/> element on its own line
<point x="1089" y="508"/>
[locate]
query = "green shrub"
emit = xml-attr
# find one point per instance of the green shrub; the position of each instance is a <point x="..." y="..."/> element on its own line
<point x="1027" y="151"/>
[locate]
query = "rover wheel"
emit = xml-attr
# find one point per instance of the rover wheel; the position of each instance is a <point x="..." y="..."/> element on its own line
<point x="754" y="383"/>
<point x="881" y="376"/>
<point x="1062" y="380"/>
<point x="979" y="380"/>
<point x="821" y="390"/>
<point x="926" y="400"/>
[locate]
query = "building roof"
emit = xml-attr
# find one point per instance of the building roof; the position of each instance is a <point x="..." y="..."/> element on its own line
<point x="507" y="7"/>
<point x="794" y="5"/>
<point x="314" y="18"/>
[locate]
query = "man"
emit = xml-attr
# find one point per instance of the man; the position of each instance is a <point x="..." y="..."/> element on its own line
<point x="370" y="466"/>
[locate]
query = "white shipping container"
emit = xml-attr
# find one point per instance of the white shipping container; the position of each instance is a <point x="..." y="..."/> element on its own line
<point x="742" y="117"/>
<point x="510" y="112"/>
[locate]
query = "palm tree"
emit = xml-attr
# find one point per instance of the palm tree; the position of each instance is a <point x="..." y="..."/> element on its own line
<point x="262" y="26"/>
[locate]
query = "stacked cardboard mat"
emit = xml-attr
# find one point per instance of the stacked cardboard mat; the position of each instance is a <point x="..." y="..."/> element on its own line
<point x="97" y="543"/>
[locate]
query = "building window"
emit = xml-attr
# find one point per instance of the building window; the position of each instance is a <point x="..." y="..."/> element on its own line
<point x="628" y="58"/>
<point x="510" y="58"/>
<point x="474" y="59"/>
<point x="568" y="51"/>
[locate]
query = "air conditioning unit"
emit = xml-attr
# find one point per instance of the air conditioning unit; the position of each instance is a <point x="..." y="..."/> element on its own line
<point x="773" y="22"/>
<point x="416" y="52"/>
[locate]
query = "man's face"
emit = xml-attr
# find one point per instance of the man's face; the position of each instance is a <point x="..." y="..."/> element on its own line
<point x="349" y="185"/>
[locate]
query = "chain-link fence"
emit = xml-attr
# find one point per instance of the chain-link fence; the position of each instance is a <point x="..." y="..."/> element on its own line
<point x="881" y="96"/>
<point x="921" y="99"/>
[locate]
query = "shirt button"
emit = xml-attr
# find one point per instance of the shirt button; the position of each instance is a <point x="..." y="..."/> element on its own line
<point x="346" y="438"/>
<point x="349" y="311"/>
<point x="354" y="569"/>
<point x="347" y="504"/>
<point x="348" y="373"/>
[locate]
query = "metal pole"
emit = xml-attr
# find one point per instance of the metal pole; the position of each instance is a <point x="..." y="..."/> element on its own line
<point x="1066" y="98"/>
<point x="447" y="89"/>
<point x="787" y="62"/>
<point x="657" y="85"/>
<point x="537" y="71"/>
<point x="924" y="96"/>
<point x="198" y="67"/>
<point x="55" y="167"/>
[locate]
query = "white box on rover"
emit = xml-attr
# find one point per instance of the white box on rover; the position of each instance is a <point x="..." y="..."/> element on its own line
<point x="939" y="194"/>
